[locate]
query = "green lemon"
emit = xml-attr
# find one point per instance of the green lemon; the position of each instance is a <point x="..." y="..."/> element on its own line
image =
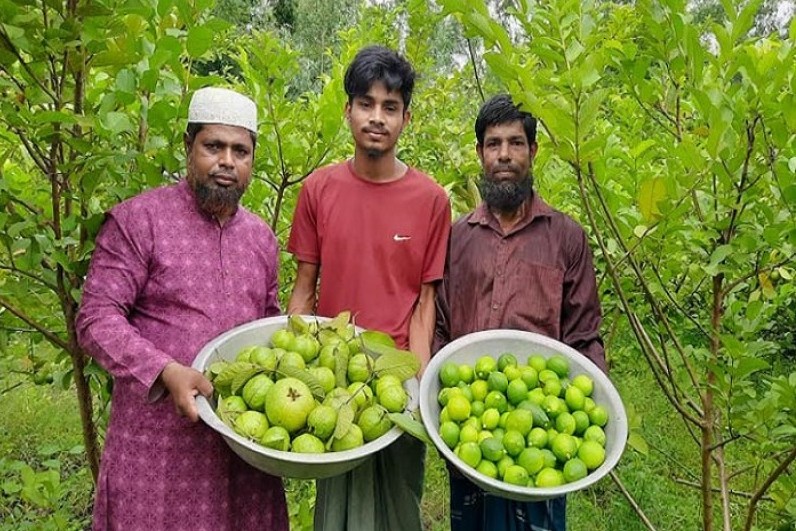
<point x="581" y="422"/>
<point x="592" y="454"/>
<point x="520" y="420"/>
<point x="458" y="408"/>
<point x="505" y="360"/>
<point x="479" y="388"/>
<point x="531" y="459"/>
<point x="512" y="372"/>
<point x="497" y="400"/>
<point x="552" y="387"/>
<point x="470" y="453"/>
<point x="565" y="423"/>
<point x="466" y="373"/>
<point x="538" y="362"/>
<point x="537" y="437"/>
<point x="513" y="442"/>
<point x="449" y="431"/>
<point x="549" y="477"/>
<point x="468" y="433"/>
<point x="516" y="475"/>
<point x="584" y="383"/>
<point x="574" y="398"/>
<point x="564" y="446"/>
<point x="497" y="381"/>
<point x="503" y="464"/>
<point x="574" y="469"/>
<point x="517" y="391"/>
<point x="490" y="419"/>
<point x="492" y="449"/>
<point x="598" y="416"/>
<point x="529" y="376"/>
<point x="484" y="366"/>
<point x="487" y="468"/>
<point x="449" y="374"/>
<point x="594" y="433"/>
<point x="559" y="365"/>
<point x="476" y="408"/>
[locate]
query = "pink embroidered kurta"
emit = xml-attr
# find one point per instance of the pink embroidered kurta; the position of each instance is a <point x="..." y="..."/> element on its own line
<point x="164" y="280"/>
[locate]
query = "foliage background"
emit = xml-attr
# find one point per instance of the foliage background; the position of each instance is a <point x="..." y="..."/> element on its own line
<point x="667" y="130"/>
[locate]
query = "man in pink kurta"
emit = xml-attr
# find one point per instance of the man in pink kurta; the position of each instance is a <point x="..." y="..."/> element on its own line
<point x="173" y="268"/>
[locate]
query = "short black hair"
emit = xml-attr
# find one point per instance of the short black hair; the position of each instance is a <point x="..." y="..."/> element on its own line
<point x="499" y="110"/>
<point x="193" y="128"/>
<point x="378" y="63"/>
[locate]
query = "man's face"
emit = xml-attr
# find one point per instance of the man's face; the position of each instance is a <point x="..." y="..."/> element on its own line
<point x="219" y="167"/>
<point x="506" y="158"/>
<point x="377" y="119"/>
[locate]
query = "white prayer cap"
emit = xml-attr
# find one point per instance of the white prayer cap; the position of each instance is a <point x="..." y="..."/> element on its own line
<point x="212" y="105"/>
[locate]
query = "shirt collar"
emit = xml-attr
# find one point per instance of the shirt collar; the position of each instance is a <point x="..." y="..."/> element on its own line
<point x="482" y="216"/>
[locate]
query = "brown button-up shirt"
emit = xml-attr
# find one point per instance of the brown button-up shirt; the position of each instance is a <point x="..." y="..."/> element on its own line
<point x="538" y="277"/>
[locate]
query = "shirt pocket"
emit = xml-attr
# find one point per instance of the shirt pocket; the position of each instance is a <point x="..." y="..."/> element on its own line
<point x="534" y="298"/>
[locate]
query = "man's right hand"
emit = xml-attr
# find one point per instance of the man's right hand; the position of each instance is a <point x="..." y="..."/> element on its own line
<point x="184" y="384"/>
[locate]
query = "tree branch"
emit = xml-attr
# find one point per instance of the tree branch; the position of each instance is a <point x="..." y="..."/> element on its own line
<point x="631" y="500"/>
<point x="475" y="69"/>
<point x="758" y="495"/>
<point x="49" y="335"/>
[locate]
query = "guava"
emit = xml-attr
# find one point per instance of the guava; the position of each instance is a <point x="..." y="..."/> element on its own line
<point x="352" y="439"/>
<point x="251" y="424"/>
<point x="374" y="422"/>
<point x="322" y="421"/>
<point x="363" y="395"/>
<point x="283" y="338"/>
<point x="288" y="403"/>
<point x="307" y="346"/>
<point x="306" y="443"/>
<point x="290" y="359"/>
<point x="325" y="377"/>
<point x="276" y="438"/>
<point x="255" y="390"/>
<point x="359" y="368"/>
<point x="394" y="399"/>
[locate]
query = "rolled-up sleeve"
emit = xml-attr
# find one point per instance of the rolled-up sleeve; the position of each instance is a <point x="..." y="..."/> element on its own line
<point x="116" y="276"/>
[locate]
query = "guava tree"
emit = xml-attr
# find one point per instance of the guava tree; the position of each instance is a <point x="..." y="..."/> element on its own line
<point x="88" y="98"/>
<point x="679" y="141"/>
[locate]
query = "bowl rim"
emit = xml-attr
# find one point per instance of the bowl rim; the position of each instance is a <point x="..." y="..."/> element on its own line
<point x="497" y="486"/>
<point x="205" y="357"/>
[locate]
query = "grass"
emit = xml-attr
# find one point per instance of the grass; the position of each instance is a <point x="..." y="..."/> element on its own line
<point x="40" y="428"/>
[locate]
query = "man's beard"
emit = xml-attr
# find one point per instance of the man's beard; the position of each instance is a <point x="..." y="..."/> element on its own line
<point x="375" y="153"/>
<point x="215" y="200"/>
<point x="505" y="195"/>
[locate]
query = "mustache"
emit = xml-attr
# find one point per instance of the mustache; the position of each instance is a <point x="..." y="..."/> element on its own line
<point x="224" y="174"/>
<point x="379" y="130"/>
<point x="505" y="167"/>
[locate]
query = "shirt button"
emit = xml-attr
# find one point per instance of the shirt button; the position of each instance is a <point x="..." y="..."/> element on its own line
<point x="495" y="306"/>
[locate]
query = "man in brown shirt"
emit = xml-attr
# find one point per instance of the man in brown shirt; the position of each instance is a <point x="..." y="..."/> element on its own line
<point x="515" y="263"/>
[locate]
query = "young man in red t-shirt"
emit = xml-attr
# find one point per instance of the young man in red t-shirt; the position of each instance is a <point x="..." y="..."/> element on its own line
<point x="375" y="232"/>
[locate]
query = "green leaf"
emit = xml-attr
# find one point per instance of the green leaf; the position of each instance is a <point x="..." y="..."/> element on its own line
<point x="199" y="41"/>
<point x="341" y="367"/>
<point x="638" y="443"/>
<point x="345" y="418"/>
<point x="719" y="255"/>
<point x="117" y="123"/>
<point x="297" y="325"/>
<point x="500" y="65"/>
<point x="651" y="192"/>
<point x="411" y="426"/>
<point x="400" y="363"/>
<point x="748" y="366"/>
<point x="230" y="373"/>
<point x="240" y="379"/>
<point x="372" y="339"/>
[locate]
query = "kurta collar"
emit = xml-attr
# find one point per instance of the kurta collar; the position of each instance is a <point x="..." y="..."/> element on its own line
<point x="482" y="216"/>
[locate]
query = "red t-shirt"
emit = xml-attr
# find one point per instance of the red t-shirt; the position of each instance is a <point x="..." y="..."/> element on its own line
<point x="376" y="243"/>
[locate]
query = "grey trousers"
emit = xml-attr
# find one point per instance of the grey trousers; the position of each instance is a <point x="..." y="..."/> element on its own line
<point x="382" y="494"/>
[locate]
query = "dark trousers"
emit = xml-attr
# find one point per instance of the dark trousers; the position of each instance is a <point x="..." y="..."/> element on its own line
<point x="472" y="509"/>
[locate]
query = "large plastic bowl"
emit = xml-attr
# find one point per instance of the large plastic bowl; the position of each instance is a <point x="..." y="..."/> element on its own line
<point x="274" y="462"/>
<point x="467" y="349"/>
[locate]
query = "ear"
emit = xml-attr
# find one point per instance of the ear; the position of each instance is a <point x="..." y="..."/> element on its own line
<point x="480" y="150"/>
<point x="407" y="117"/>
<point x="188" y="143"/>
<point x="347" y="111"/>
<point x="533" y="147"/>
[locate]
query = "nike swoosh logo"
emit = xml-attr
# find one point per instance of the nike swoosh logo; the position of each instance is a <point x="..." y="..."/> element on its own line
<point x="399" y="238"/>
